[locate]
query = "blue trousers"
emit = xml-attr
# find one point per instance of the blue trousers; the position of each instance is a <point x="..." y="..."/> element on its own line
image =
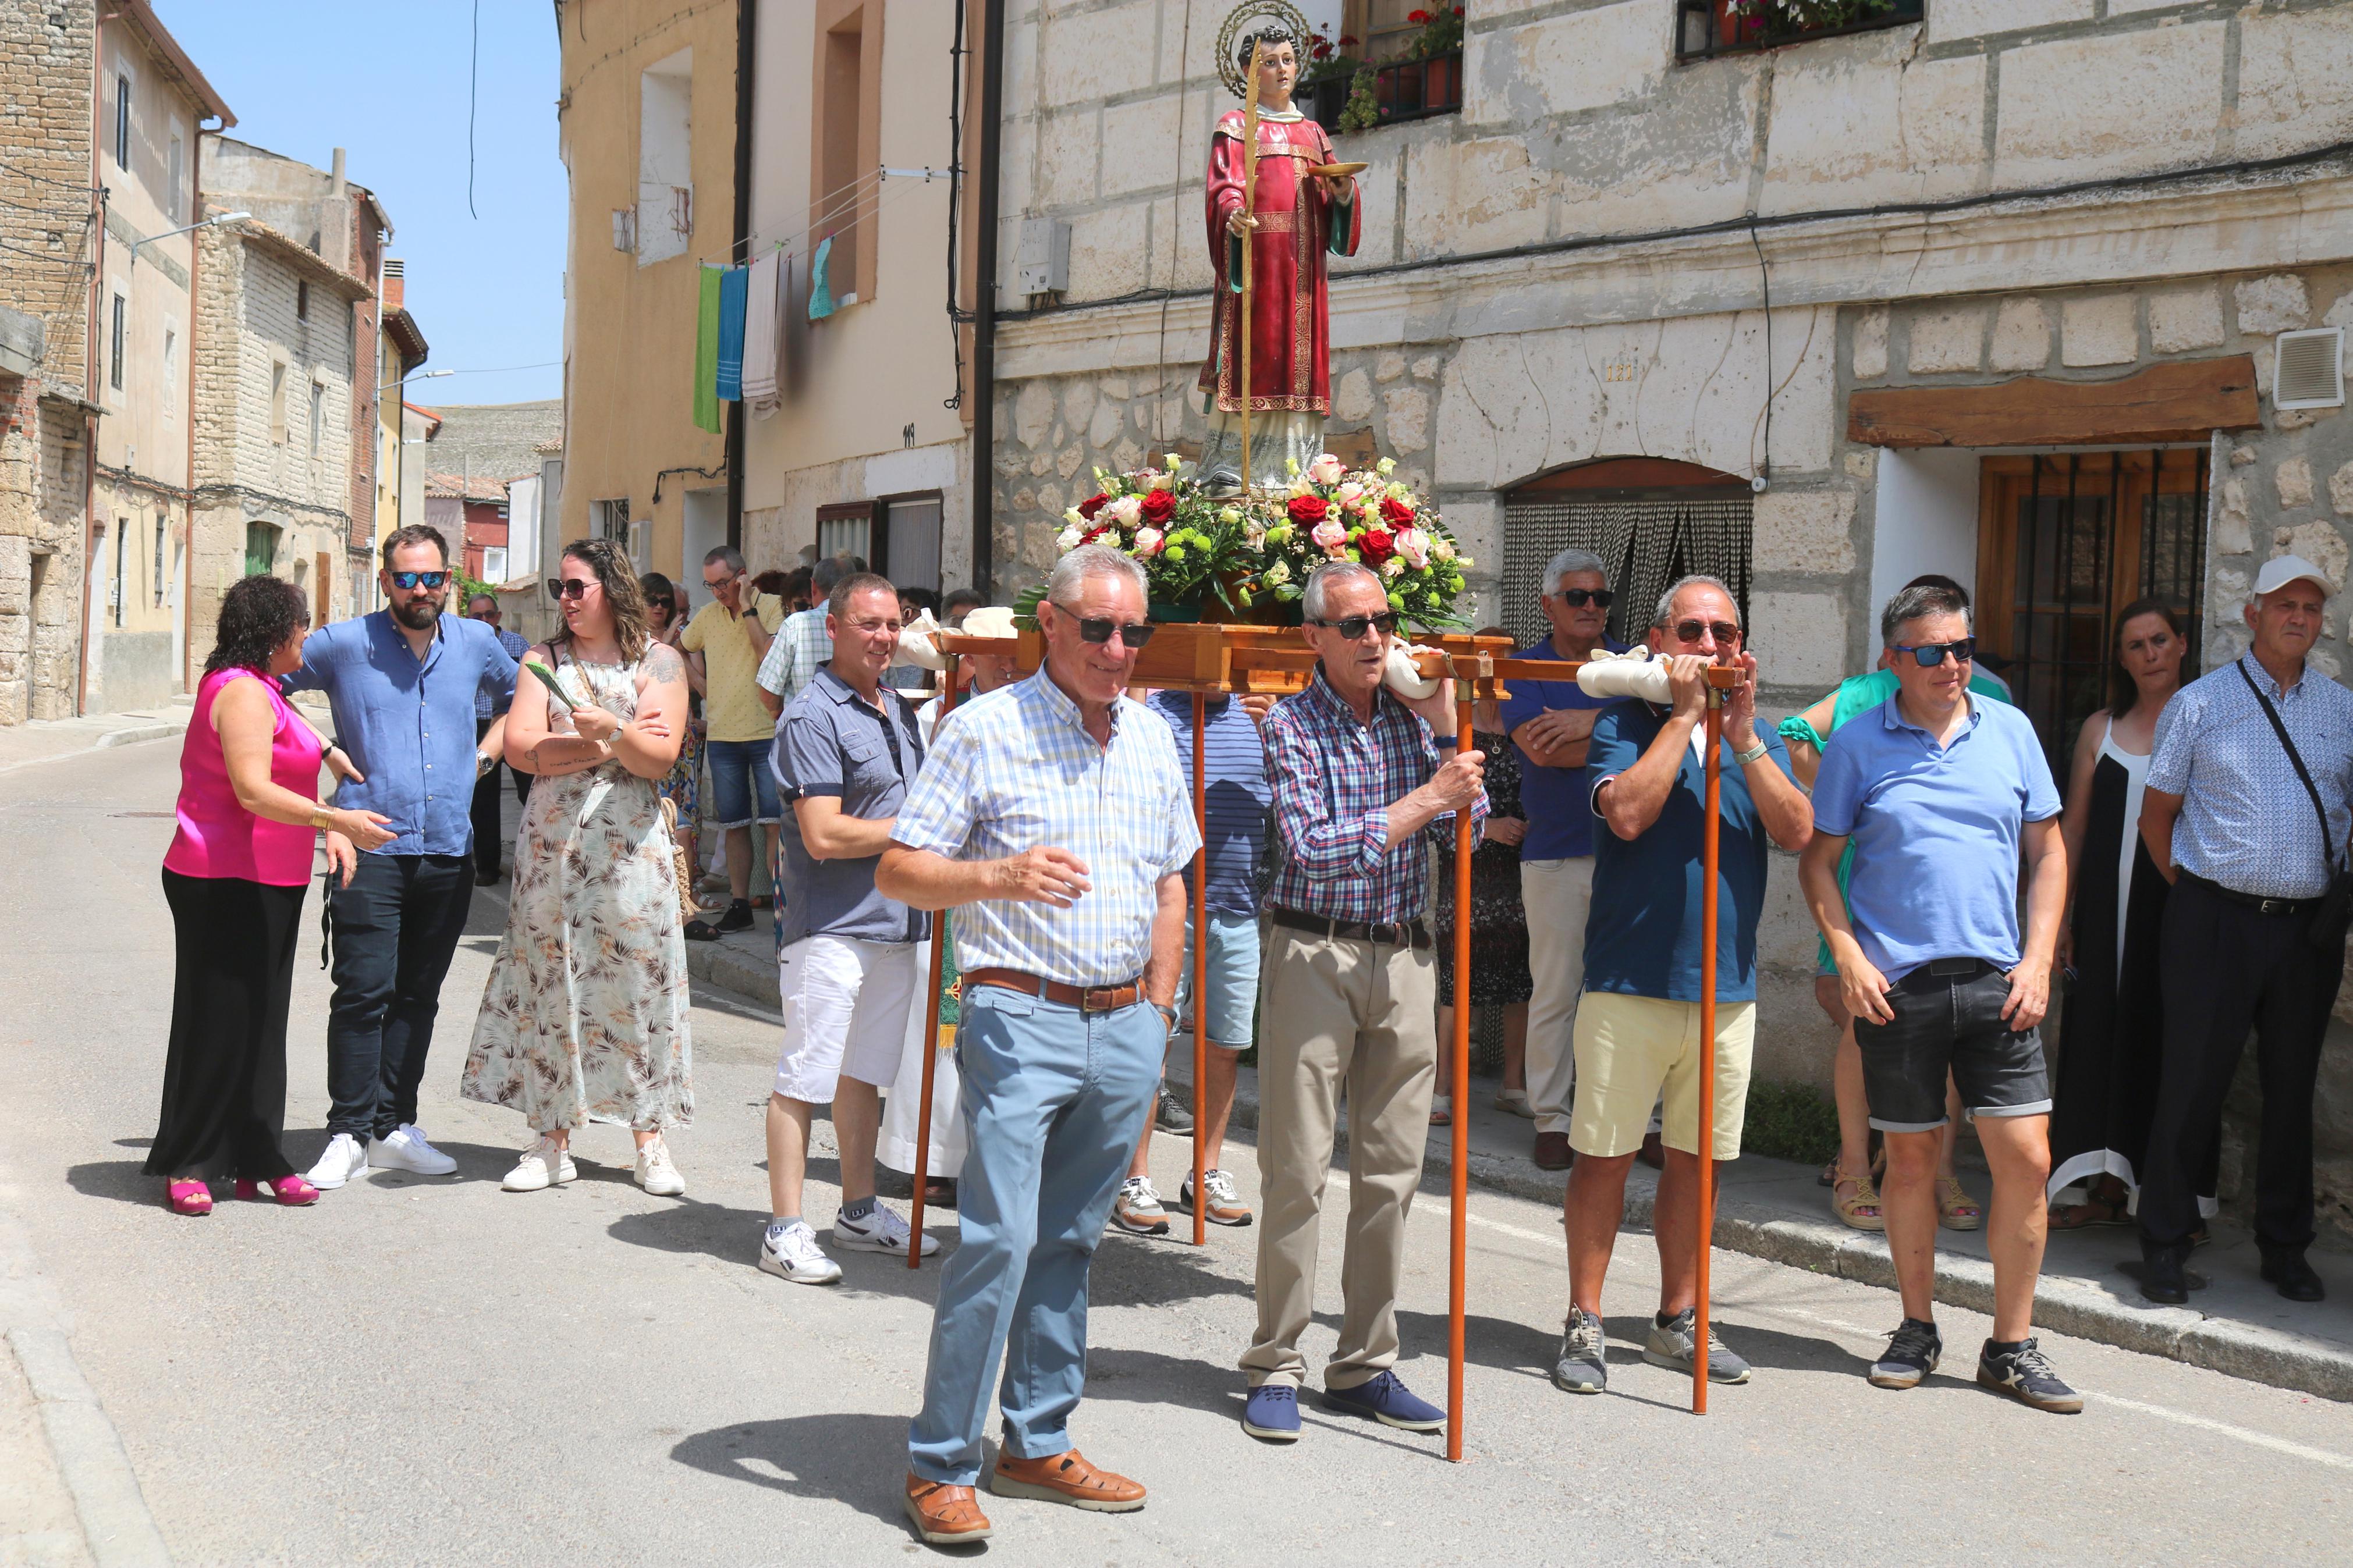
<point x="1053" y="1101"/>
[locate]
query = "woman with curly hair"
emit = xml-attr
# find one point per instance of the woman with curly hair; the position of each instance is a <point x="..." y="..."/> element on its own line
<point x="585" y="1016"/>
<point x="249" y="814"/>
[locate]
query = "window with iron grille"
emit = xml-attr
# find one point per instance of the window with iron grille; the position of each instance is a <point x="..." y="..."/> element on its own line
<point x="1648" y="539"/>
<point x="1705" y="29"/>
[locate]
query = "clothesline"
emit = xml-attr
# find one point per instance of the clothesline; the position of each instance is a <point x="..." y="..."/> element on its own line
<point x="859" y="193"/>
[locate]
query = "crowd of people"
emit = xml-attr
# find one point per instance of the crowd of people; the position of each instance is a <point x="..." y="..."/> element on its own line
<point x="1049" y="819"/>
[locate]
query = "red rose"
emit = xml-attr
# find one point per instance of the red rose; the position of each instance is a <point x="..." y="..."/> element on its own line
<point x="1395" y="512"/>
<point x="1308" y="511"/>
<point x="1092" y="505"/>
<point x="1376" y="546"/>
<point x="1418" y="18"/>
<point x="1158" y="507"/>
<point x="1091" y="535"/>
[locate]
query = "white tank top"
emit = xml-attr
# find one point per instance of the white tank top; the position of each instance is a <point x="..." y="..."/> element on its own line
<point x="2136" y="767"/>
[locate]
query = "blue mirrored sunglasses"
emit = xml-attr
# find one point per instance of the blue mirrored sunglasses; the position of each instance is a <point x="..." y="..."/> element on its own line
<point x="1930" y="655"/>
<point x="405" y="580"/>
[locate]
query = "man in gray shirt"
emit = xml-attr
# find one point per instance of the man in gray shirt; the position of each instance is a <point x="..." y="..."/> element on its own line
<point x="845" y="750"/>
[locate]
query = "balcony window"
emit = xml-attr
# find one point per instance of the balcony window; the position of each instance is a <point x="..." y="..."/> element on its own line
<point x="1705" y="29"/>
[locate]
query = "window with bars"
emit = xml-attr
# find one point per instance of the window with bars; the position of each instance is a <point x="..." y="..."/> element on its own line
<point x="1705" y="29"/>
<point x="1647" y="538"/>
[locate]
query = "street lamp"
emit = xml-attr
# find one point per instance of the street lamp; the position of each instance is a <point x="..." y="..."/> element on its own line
<point x="184" y="228"/>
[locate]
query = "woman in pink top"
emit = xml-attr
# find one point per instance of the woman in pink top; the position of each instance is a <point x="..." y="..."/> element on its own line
<point x="234" y="877"/>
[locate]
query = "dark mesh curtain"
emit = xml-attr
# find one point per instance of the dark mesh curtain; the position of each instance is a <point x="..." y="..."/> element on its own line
<point x="1647" y="542"/>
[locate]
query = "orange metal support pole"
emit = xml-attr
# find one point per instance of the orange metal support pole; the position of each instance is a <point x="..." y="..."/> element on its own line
<point x="1460" y="1190"/>
<point x="1711" y="836"/>
<point x="1200" y="963"/>
<point x="931" y="1029"/>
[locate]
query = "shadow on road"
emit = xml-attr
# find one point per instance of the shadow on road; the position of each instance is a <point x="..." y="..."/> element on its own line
<point x="126" y="1180"/>
<point x="830" y="1457"/>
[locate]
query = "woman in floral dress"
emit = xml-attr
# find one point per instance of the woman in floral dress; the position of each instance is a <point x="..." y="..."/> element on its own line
<point x="584" y="1017"/>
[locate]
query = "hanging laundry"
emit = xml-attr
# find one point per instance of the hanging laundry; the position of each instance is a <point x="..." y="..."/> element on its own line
<point x="763" y="319"/>
<point x="732" y="300"/>
<point x="706" y="351"/>
<point x="821" y="293"/>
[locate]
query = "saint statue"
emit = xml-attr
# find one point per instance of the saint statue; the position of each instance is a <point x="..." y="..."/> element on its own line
<point x="1295" y="219"/>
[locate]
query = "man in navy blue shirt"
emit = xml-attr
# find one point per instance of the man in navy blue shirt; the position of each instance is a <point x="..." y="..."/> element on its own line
<point x="1939" y="792"/>
<point x="1551" y="723"/>
<point x="403" y="683"/>
<point x="1637" y="1029"/>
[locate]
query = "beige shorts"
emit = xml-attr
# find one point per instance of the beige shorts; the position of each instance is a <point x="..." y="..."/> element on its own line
<point x="1628" y="1047"/>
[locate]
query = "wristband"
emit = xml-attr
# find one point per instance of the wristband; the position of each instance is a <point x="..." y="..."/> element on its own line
<point x="321" y="818"/>
<point x="1449" y="742"/>
<point x="1750" y="755"/>
<point x="1165" y="1011"/>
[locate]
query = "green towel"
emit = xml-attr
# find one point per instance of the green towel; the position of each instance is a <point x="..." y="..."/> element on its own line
<point x="706" y="353"/>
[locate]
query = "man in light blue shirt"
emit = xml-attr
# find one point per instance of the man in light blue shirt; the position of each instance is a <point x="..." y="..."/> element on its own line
<point x="1939" y="792"/>
<point x="402" y="682"/>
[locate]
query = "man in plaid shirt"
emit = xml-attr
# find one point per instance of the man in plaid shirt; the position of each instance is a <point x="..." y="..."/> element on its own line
<point x="1364" y="782"/>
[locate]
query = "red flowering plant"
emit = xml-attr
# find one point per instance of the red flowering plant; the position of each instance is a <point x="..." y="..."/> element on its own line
<point x="1164" y="518"/>
<point x="1441" y="32"/>
<point x="1331" y="512"/>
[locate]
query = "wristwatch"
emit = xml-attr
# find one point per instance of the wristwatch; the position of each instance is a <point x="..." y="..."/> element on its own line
<point x="483" y="763"/>
<point x="1750" y="755"/>
<point x="1165" y="1011"/>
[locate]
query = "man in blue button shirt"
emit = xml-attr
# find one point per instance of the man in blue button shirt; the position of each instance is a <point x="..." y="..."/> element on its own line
<point x="1939" y="792"/>
<point x="403" y="683"/>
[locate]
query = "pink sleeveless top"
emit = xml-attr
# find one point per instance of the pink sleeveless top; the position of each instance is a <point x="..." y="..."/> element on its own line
<point x="217" y="836"/>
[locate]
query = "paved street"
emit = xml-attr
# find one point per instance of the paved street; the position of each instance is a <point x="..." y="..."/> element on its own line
<point x="439" y="1372"/>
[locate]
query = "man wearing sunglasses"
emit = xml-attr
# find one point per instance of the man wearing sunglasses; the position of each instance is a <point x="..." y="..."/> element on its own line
<point x="1637" y="1027"/>
<point x="1053" y="815"/>
<point x="403" y="683"/>
<point x="1365" y="783"/>
<point x="1551" y="723"/>
<point x="1940" y="792"/>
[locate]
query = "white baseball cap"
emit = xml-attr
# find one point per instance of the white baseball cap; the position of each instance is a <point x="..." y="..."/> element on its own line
<point x="989" y="621"/>
<point x="2280" y="570"/>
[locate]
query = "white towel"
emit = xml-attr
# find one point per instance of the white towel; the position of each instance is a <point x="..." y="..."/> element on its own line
<point x="763" y="316"/>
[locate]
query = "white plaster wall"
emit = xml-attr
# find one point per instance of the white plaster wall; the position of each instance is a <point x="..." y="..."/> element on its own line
<point x="1924" y="518"/>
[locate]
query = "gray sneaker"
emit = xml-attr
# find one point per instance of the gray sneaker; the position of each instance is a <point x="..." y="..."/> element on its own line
<point x="1582" y="1368"/>
<point x="1912" y="1351"/>
<point x="1669" y="1346"/>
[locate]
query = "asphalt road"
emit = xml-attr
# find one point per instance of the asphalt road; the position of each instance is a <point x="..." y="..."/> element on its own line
<point x="439" y="1371"/>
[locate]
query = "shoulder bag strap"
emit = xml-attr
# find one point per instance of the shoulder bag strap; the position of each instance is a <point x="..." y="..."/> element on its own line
<point x="2328" y="845"/>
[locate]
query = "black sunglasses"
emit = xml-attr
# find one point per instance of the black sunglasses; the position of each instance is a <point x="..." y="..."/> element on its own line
<point x="409" y="580"/>
<point x="1578" y="598"/>
<point x="569" y="587"/>
<point x="1725" y="632"/>
<point x="1351" y="628"/>
<point x="1095" y="629"/>
<point x="1929" y="655"/>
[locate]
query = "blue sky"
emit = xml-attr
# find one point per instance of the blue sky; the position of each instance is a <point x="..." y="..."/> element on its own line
<point x="388" y="84"/>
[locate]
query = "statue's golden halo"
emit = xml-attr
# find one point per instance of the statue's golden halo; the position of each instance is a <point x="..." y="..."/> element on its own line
<point x="1280" y="12"/>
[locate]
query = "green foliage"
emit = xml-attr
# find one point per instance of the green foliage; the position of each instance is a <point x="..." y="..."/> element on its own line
<point x="1790" y="1121"/>
<point x="1362" y="111"/>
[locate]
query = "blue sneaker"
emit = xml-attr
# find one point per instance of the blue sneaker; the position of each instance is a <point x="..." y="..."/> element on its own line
<point x="1388" y="1402"/>
<point x="1273" y="1413"/>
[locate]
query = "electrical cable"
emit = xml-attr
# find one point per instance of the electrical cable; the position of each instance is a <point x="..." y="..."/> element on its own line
<point x="24" y="174"/>
<point x="473" y="95"/>
<point x="957" y="315"/>
<point x="857" y="188"/>
<point x="1764" y="465"/>
<point x="1160" y="396"/>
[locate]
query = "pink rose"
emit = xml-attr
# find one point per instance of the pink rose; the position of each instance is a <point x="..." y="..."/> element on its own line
<point x="1148" y="541"/>
<point x="1325" y="469"/>
<point x="1329" y="535"/>
<point x="1124" y="511"/>
<point x="1411" y="545"/>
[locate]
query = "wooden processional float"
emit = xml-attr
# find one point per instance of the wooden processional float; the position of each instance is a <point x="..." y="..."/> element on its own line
<point x="1207" y="660"/>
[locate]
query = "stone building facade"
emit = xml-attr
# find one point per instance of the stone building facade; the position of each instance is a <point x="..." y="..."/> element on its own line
<point x="1932" y="297"/>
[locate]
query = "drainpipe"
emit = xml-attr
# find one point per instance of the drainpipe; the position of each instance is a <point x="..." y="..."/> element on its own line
<point x="188" y="545"/>
<point x="746" y="28"/>
<point x="983" y="315"/>
<point x="89" y="357"/>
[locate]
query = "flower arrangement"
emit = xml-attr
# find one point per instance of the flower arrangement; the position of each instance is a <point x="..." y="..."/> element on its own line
<point x="1758" y="20"/>
<point x="1187" y="544"/>
<point x="1331" y="512"/>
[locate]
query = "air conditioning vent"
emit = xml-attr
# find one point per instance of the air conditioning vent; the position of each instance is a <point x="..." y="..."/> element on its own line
<point x="2309" y="371"/>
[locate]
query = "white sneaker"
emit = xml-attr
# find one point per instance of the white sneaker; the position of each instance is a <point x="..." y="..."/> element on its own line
<point x="881" y="1231"/>
<point x="546" y="1164"/>
<point x="1137" y="1209"/>
<point x="345" y="1157"/>
<point x="794" y="1255"/>
<point x="655" y="1171"/>
<point x="406" y="1150"/>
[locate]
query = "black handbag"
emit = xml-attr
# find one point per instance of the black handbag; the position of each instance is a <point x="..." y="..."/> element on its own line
<point x="2335" y="915"/>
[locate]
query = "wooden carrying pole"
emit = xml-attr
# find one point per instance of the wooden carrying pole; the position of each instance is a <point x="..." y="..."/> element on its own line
<point x="1459" y="1086"/>
<point x="1709" y="844"/>
<point x="1200" y="963"/>
<point x="930" y="1028"/>
<point x="1250" y="212"/>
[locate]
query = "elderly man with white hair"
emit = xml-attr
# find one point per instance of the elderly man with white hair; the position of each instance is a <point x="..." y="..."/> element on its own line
<point x="1053" y="817"/>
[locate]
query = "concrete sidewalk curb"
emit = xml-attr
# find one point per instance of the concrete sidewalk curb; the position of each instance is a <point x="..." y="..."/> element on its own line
<point x="134" y="735"/>
<point x="721" y="964"/>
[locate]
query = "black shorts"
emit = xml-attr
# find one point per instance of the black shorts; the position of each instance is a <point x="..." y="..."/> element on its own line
<point x="1950" y="1021"/>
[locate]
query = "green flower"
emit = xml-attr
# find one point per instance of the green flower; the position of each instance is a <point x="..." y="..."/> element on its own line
<point x="1243" y="597"/>
<point x="1174" y="553"/>
<point x="1396" y="600"/>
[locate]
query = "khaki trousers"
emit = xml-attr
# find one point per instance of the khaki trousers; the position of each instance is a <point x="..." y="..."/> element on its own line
<point x="1557" y="896"/>
<point x="1334" y="1013"/>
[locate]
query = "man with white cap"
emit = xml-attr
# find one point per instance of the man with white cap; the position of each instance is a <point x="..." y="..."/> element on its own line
<point x="2249" y="803"/>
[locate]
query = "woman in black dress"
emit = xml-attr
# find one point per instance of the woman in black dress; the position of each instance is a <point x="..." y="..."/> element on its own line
<point x="1499" y="922"/>
<point x="2109" y="1048"/>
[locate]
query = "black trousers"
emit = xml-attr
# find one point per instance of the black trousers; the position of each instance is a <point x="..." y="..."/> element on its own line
<point x="2228" y="968"/>
<point x="490" y="835"/>
<point x="396" y="929"/>
<point x="224" y="1072"/>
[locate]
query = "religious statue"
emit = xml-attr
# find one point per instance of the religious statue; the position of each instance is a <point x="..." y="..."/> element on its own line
<point x="1289" y="214"/>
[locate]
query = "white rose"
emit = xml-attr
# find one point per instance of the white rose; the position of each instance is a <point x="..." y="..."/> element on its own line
<point x="1068" y="539"/>
<point x="1123" y="511"/>
<point x="1075" y="518"/>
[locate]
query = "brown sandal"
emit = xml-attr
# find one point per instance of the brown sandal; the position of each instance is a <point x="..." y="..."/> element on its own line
<point x="1860" y="1207"/>
<point x="1955" y="1210"/>
<point x="2091" y="1214"/>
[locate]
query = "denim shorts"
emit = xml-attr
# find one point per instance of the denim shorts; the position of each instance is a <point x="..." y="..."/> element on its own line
<point x="1950" y="1022"/>
<point x="1233" y="962"/>
<point x="740" y="778"/>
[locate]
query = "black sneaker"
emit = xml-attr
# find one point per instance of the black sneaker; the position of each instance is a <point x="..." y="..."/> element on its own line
<point x="1173" y="1116"/>
<point x="2023" y="1372"/>
<point x="1912" y="1351"/>
<point x="737" y="918"/>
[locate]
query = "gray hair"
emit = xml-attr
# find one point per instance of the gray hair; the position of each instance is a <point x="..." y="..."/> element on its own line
<point x="1911" y="603"/>
<point x="727" y="556"/>
<point x="1320" y="581"/>
<point x="1569" y="561"/>
<point x="832" y="570"/>
<point x="1665" y="613"/>
<point x="1071" y="571"/>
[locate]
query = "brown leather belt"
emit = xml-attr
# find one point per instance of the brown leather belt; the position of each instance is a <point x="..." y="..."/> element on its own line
<point x="1086" y="999"/>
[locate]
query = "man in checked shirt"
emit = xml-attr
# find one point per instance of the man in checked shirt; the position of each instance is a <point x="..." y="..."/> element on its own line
<point x="1363" y="782"/>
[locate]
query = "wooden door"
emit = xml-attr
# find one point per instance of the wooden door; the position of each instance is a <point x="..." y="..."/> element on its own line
<point x="2066" y="542"/>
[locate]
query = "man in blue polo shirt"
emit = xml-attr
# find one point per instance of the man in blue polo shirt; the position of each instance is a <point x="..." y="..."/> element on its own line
<point x="402" y="682"/>
<point x="1551" y="723"/>
<point x="1939" y="792"/>
<point x="1638" y="1028"/>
